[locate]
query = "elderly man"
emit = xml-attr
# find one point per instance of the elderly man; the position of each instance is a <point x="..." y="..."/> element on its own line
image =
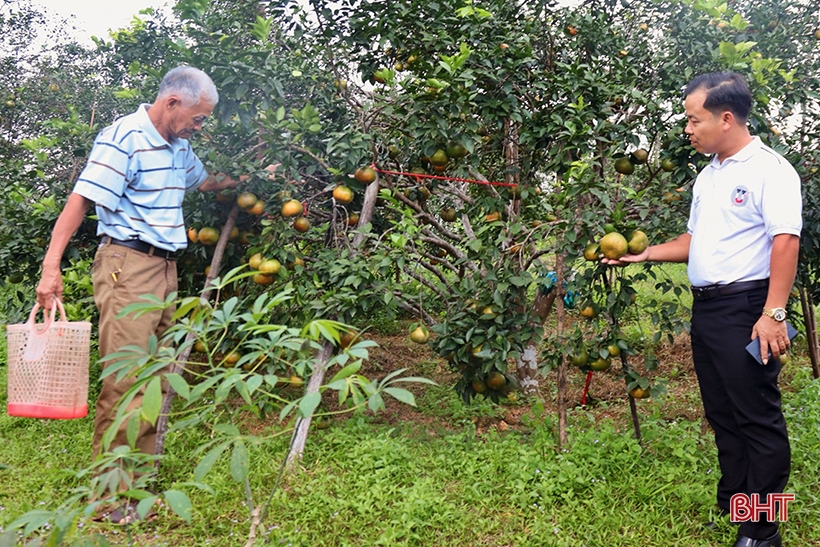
<point x="741" y="247"/>
<point x="137" y="175"/>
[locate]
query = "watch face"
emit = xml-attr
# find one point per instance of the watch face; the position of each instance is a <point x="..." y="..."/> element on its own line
<point x="779" y="314"/>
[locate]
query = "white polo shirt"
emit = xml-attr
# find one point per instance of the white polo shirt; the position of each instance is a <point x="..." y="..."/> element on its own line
<point x="138" y="181"/>
<point x="738" y="206"/>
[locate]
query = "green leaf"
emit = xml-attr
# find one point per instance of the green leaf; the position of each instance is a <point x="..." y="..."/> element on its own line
<point x="132" y="429"/>
<point x="179" y="504"/>
<point x="240" y="462"/>
<point x="253" y="383"/>
<point x="179" y="384"/>
<point x="402" y="395"/>
<point x="145" y="504"/>
<point x="349" y="370"/>
<point x="309" y="403"/>
<point x="375" y="402"/>
<point x="152" y="400"/>
<point x="209" y="460"/>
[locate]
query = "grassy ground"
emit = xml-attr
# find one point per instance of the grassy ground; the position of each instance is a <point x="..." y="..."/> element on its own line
<point x="448" y="474"/>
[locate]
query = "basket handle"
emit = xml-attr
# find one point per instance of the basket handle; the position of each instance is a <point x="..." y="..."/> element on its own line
<point x="37" y="338"/>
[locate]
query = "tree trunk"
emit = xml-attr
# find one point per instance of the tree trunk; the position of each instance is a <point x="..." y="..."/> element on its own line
<point x="562" y="366"/>
<point x="216" y="261"/>
<point x="527" y="364"/>
<point x="297" y="448"/>
<point x="810" y="321"/>
<point x="368" y="207"/>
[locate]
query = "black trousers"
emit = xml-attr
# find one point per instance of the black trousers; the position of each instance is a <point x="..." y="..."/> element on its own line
<point x="742" y="402"/>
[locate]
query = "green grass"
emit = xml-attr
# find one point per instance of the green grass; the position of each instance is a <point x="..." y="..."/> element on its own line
<point x="438" y="481"/>
<point x="363" y="484"/>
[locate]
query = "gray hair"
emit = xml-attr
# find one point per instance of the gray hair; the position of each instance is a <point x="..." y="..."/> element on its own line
<point x="190" y="83"/>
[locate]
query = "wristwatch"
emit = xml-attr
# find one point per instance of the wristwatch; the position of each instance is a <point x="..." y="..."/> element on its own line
<point x="778" y="314"/>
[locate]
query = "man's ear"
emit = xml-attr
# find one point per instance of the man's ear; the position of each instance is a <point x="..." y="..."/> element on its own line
<point x="727" y="119"/>
<point x="172" y="101"/>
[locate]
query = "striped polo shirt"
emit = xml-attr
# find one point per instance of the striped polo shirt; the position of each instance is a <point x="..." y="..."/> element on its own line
<point x="138" y="181"/>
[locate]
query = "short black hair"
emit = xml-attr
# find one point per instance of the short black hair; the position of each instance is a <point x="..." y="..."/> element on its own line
<point x="724" y="91"/>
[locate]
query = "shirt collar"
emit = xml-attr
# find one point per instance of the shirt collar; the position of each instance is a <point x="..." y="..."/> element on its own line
<point x="150" y="130"/>
<point x="741" y="155"/>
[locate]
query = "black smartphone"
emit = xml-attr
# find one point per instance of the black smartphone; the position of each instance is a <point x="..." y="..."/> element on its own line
<point x="754" y="346"/>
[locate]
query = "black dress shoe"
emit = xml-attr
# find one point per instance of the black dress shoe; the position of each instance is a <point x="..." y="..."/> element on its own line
<point x="773" y="541"/>
<point x="722" y="514"/>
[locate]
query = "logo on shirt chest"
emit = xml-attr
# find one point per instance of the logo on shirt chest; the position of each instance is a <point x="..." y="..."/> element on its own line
<point x="740" y="195"/>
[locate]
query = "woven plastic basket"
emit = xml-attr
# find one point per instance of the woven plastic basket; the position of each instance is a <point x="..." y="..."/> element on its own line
<point x="48" y="367"/>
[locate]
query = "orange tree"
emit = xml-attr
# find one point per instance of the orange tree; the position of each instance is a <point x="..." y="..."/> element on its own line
<point x="53" y="99"/>
<point x="556" y="104"/>
<point x="575" y="111"/>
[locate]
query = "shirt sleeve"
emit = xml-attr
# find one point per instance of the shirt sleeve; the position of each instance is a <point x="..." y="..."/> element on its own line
<point x="782" y="203"/>
<point x="105" y="176"/>
<point x="693" y="209"/>
<point x="195" y="173"/>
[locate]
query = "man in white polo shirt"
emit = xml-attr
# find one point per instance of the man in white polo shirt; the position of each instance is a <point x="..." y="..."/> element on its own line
<point x="137" y="174"/>
<point x="741" y="245"/>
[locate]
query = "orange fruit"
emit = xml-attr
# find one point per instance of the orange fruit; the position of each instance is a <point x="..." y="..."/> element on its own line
<point x="296" y="381"/>
<point x="200" y="347"/>
<point x="297" y="261"/>
<point x="448" y="214"/>
<point x="246" y="200"/>
<point x="343" y="194"/>
<point x="493" y="217"/>
<point x="439" y="158"/>
<point x="579" y="359"/>
<point x="262" y="279"/>
<point x="591" y="251"/>
<point x="353" y="219"/>
<point x="225" y="196"/>
<point x="270" y="267"/>
<point x="496" y="380"/>
<point x="420" y="335"/>
<point x="365" y="174"/>
<point x="291" y="208"/>
<point x="192" y="234"/>
<point x="234" y="233"/>
<point x="258" y="208"/>
<point x="479" y="386"/>
<point x="255" y="261"/>
<point x="638" y="392"/>
<point x="639" y="156"/>
<point x="233" y="357"/>
<point x="589" y="311"/>
<point x="208" y="235"/>
<point x="613" y="245"/>
<point x="600" y="363"/>
<point x="301" y="224"/>
<point x="439" y="168"/>
<point x="624" y="166"/>
<point x="638" y="242"/>
<point x="243" y="237"/>
<point x="456" y="150"/>
<point x="346" y="338"/>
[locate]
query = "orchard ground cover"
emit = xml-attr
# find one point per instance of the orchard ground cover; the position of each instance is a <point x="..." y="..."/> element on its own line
<point x="450" y="473"/>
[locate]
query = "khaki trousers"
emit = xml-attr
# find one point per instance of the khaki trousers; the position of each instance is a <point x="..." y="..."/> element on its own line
<point x="121" y="275"/>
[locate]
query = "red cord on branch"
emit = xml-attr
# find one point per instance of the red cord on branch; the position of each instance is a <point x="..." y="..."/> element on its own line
<point x="586" y="389"/>
<point x="439" y="177"/>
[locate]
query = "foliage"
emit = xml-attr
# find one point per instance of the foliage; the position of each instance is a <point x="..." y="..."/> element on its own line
<point x="218" y="395"/>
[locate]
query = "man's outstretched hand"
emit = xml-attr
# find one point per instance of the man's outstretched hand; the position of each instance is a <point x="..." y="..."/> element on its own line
<point x="626" y="259"/>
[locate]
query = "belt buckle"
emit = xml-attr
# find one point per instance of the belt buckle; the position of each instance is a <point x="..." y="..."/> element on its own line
<point x="705" y="293"/>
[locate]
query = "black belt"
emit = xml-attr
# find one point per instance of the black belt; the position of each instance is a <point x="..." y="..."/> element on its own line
<point x="716" y="291"/>
<point x="140" y="246"/>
